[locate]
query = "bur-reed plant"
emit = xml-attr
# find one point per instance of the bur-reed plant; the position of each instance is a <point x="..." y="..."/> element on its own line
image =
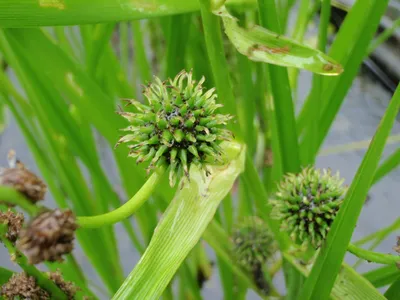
<point x="213" y="139"/>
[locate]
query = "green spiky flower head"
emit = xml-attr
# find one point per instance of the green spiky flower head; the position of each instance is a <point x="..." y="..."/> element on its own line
<point x="178" y="127"/>
<point x="307" y="203"/>
<point x="253" y="243"/>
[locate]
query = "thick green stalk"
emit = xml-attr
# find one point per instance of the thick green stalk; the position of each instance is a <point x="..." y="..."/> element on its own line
<point x="127" y="209"/>
<point x="10" y="195"/>
<point x="371" y="256"/>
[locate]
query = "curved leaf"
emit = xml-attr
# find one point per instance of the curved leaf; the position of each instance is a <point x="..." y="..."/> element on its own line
<point x="260" y="44"/>
<point x="181" y="227"/>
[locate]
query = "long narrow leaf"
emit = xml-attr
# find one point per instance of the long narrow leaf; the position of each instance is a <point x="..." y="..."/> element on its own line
<point x="348" y="284"/>
<point x="327" y="265"/>
<point x="33" y="13"/>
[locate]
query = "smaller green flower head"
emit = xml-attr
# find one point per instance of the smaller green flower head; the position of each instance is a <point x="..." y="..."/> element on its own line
<point x="178" y="127"/>
<point x="253" y="243"/>
<point x="307" y="203"/>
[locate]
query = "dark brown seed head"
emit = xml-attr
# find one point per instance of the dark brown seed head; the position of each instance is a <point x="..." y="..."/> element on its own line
<point x="67" y="287"/>
<point x="25" y="182"/>
<point x="48" y="236"/>
<point x="22" y="286"/>
<point x="14" y="221"/>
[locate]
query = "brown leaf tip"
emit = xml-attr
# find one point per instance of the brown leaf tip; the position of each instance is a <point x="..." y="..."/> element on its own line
<point x="49" y="236"/>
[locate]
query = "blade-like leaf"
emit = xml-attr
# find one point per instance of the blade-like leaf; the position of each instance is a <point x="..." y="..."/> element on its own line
<point x="4" y="275"/>
<point x="393" y="291"/>
<point x="327" y="265"/>
<point x="33" y="13"/>
<point x="349" y="49"/>
<point x="181" y="227"/>
<point x="260" y="44"/>
<point x="348" y="284"/>
<point x="383" y="276"/>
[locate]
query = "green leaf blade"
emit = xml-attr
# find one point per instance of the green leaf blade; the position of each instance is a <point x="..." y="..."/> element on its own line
<point x="262" y="45"/>
<point x="181" y="227"/>
<point x="5" y="275"/>
<point x="327" y="265"/>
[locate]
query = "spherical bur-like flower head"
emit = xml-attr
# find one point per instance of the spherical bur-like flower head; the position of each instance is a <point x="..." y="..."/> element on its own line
<point x="178" y="127"/>
<point x="24" y="181"/>
<point x="23" y="286"/>
<point x="14" y="222"/>
<point x="49" y="236"/>
<point x="253" y="243"/>
<point x="307" y="203"/>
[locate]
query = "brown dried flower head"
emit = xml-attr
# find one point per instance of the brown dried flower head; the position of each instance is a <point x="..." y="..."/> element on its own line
<point x="67" y="287"/>
<point x="24" y="181"/>
<point x="48" y="236"/>
<point x="14" y="221"/>
<point x="397" y="247"/>
<point x="23" y="286"/>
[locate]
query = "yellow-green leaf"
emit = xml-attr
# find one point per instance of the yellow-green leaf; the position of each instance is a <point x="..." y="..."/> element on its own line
<point x="260" y="44"/>
<point x="182" y="225"/>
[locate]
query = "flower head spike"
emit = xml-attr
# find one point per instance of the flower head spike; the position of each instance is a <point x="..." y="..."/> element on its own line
<point x="24" y="181"/>
<point x="178" y="127"/>
<point x="253" y="243"/>
<point x="307" y="203"/>
<point x="49" y="236"/>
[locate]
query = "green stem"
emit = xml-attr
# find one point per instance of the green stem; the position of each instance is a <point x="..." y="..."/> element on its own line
<point x="383" y="37"/>
<point x="99" y="38"/>
<point x="380" y="234"/>
<point x="282" y="96"/>
<point x="31" y="270"/>
<point x="142" y="64"/>
<point x="254" y="184"/>
<point x="124" y="47"/>
<point x="219" y="65"/>
<point x="311" y="146"/>
<point x="10" y="195"/>
<point x="128" y="208"/>
<point x="178" y="33"/>
<point x="371" y="256"/>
